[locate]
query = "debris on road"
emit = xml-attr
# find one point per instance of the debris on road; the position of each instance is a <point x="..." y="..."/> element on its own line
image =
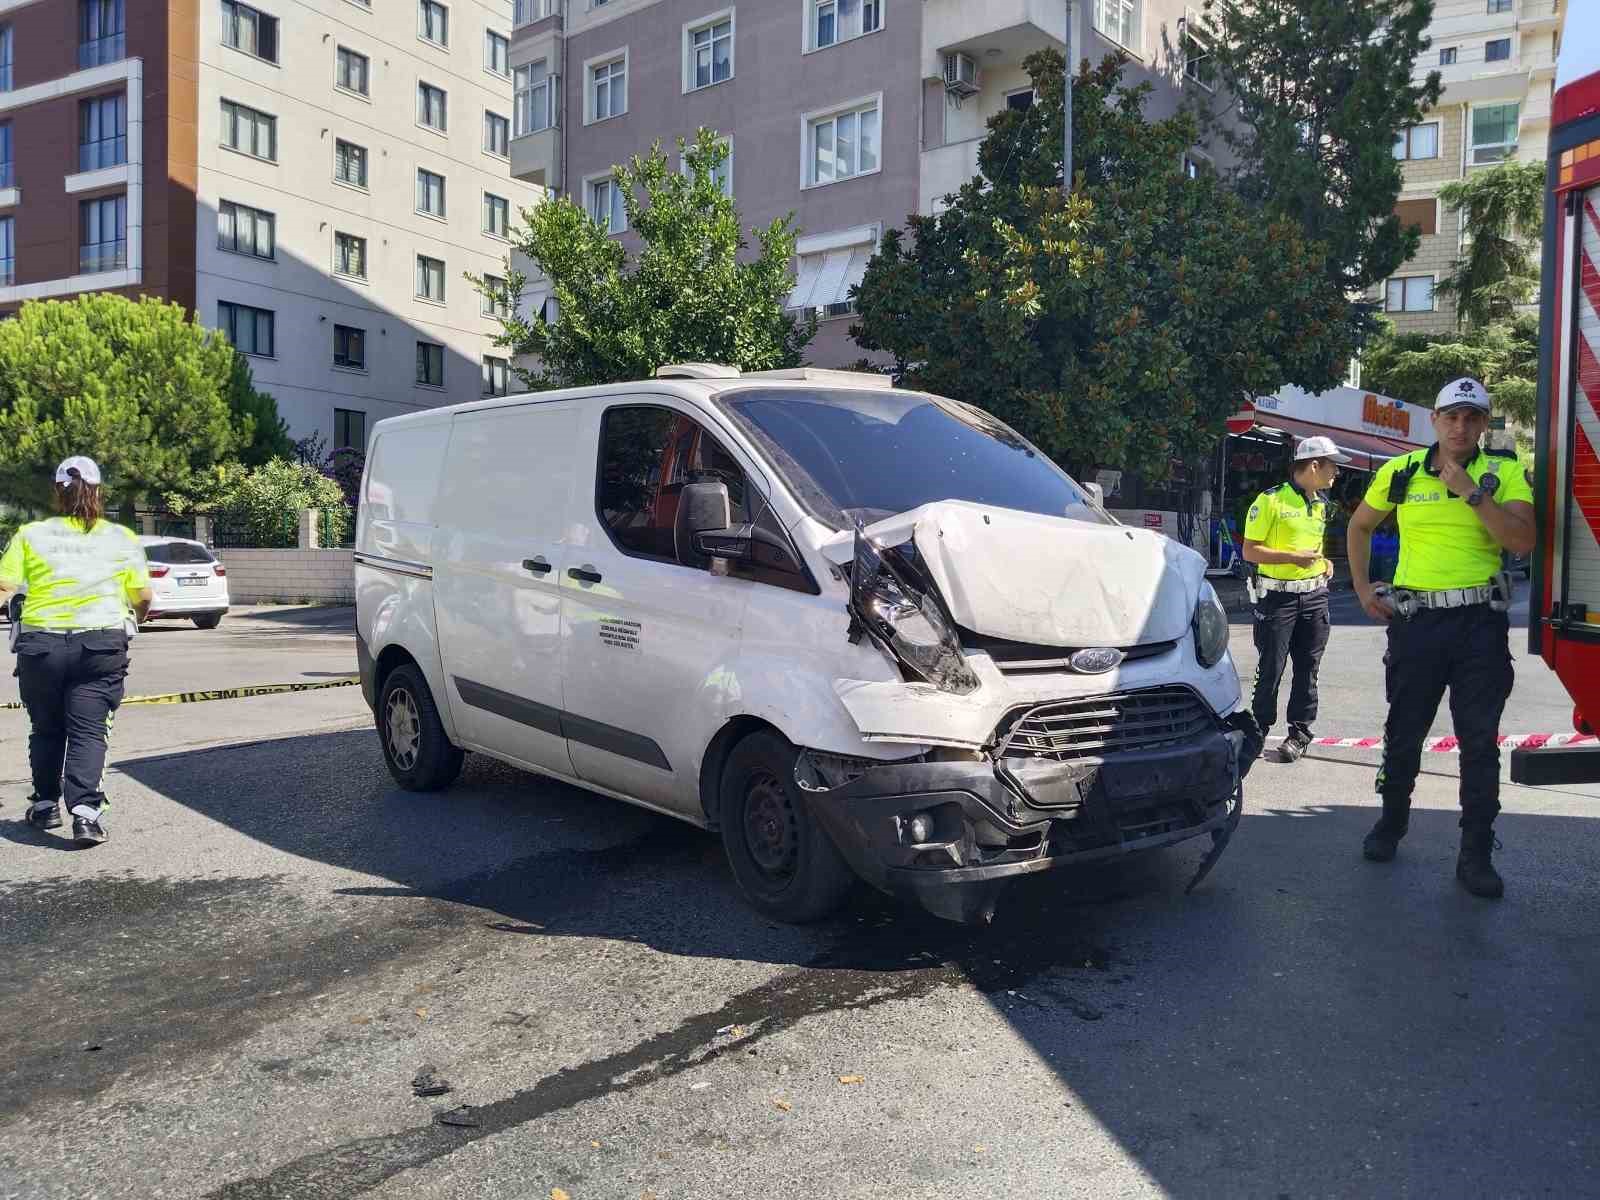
<point x="429" y="1083"/>
<point x="852" y="1079"/>
<point x="461" y="1118"/>
<point x="782" y="1105"/>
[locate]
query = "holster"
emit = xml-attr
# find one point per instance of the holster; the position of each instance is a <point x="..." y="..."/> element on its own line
<point x="1500" y="583"/>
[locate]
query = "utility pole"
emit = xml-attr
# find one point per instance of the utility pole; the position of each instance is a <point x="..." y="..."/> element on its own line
<point x="1066" y="136"/>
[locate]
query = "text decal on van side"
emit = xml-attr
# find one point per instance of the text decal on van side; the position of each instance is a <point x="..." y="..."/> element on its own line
<point x="620" y="635"/>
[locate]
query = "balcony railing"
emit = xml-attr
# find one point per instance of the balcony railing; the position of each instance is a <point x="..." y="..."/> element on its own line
<point x="8" y="174"/>
<point x="108" y="152"/>
<point x="99" y="51"/>
<point x="102" y="256"/>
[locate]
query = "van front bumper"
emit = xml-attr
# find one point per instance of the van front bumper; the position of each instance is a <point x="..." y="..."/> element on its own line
<point x="984" y="823"/>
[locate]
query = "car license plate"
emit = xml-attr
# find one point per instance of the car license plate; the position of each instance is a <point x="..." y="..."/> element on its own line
<point x="196" y="581"/>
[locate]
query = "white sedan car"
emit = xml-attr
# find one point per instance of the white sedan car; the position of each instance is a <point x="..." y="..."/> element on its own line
<point x="187" y="579"/>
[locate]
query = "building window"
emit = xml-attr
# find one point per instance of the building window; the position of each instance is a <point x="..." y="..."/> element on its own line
<point x="1499" y="6"/>
<point x="496" y="376"/>
<point x="496" y="53"/>
<point x="526" y="12"/>
<point x="496" y="215"/>
<point x="535" y="99"/>
<point x="493" y="298"/>
<point x="1198" y="65"/>
<point x="350" y="255"/>
<point x="250" y="30"/>
<point x="1422" y="213"/>
<point x="823" y="279"/>
<point x="723" y="175"/>
<point x="350" y="352"/>
<point x="102" y="132"/>
<point x="709" y="51"/>
<point x="1417" y="141"/>
<point x="430" y="279"/>
<point x="430" y="193"/>
<point x="350" y="163"/>
<point x="103" y="234"/>
<point x="102" y="32"/>
<point x="245" y="230"/>
<point x="352" y="71"/>
<point x="8" y="174"/>
<point x="431" y="106"/>
<point x="605" y="205"/>
<point x="1118" y="20"/>
<point x="349" y="425"/>
<point x="433" y="22"/>
<point x="1494" y="132"/>
<point x="1410" y="293"/>
<point x="496" y="134"/>
<point x="1497" y="50"/>
<point x="249" y="131"/>
<point x="1447" y="56"/>
<point x="5" y="58"/>
<point x="842" y="145"/>
<point x="430" y="364"/>
<point x="1020" y="101"/>
<point x="608" y="89"/>
<point x="8" y="251"/>
<point x="834" y="21"/>
<point x="251" y="330"/>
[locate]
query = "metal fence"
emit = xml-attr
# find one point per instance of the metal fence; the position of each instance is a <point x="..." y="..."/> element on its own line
<point x="336" y="527"/>
<point x="280" y="531"/>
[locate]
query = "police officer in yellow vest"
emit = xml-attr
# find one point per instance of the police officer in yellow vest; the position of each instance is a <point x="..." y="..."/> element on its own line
<point x="1458" y="507"/>
<point x="87" y="584"/>
<point x="1283" y="535"/>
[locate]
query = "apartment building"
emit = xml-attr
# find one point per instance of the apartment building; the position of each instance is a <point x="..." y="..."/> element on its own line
<point x="314" y="177"/>
<point x="1497" y="60"/>
<point x="850" y="114"/>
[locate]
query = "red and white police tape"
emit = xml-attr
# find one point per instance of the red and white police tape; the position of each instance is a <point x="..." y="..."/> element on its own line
<point x="1451" y="745"/>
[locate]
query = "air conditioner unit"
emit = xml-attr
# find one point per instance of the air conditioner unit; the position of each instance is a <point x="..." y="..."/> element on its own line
<point x="960" y="74"/>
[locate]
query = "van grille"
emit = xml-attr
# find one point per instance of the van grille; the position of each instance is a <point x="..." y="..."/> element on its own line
<point x="1103" y="725"/>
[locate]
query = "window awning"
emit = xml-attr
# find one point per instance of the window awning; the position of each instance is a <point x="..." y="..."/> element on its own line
<point x="826" y="278"/>
<point x="1368" y="450"/>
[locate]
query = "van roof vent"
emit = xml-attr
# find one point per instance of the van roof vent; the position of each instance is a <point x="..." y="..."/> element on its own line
<point x="697" y="370"/>
<point x="825" y="375"/>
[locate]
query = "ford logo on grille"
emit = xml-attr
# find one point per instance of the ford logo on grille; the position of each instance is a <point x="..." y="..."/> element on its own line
<point x="1096" y="660"/>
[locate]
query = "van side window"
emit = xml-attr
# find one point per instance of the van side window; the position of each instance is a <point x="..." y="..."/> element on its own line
<point x="646" y="456"/>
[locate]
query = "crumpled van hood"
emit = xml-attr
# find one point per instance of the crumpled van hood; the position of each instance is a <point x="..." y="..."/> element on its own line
<point x="1046" y="580"/>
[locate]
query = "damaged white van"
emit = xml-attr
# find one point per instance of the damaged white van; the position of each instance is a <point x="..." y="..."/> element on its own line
<point x="859" y="631"/>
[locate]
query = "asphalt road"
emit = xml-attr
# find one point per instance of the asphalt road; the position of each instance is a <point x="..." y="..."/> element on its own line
<point x="233" y="996"/>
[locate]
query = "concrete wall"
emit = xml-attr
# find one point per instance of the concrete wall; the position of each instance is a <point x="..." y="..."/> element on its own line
<point x="288" y="576"/>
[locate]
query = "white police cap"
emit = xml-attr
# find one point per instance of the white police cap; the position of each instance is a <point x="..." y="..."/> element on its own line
<point x="88" y="470"/>
<point x="1462" y="393"/>
<point x="1319" y="447"/>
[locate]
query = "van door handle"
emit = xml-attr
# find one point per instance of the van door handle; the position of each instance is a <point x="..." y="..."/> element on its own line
<point x="583" y="574"/>
<point x="537" y="565"/>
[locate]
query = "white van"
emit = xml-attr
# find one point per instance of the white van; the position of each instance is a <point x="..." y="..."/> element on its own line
<point x="860" y="631"/>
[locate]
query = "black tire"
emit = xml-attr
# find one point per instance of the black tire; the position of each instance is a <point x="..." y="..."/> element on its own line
<point x="782" y="859"/>
<point x="208" y="620"/>
<point x="426" y="760"/>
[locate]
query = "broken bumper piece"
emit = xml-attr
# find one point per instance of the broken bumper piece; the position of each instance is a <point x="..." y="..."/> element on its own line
<point x="950" y="834"/>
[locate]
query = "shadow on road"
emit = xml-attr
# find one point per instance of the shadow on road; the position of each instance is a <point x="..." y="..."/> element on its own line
<point x="1306" y="1023"/>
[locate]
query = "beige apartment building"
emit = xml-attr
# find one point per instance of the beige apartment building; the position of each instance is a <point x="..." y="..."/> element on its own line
<point x="850" y="114"/>
<point x="1497" y="61"/>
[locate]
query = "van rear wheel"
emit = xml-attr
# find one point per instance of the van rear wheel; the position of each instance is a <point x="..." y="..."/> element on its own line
<point x="416" y="749"/>
<point x="782" y="858"/>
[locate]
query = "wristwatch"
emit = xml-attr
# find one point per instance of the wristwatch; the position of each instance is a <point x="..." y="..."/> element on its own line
<point x="1486" y="487"/>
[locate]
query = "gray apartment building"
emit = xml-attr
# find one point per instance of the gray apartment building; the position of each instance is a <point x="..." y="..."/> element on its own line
<point x="850" y="114"/>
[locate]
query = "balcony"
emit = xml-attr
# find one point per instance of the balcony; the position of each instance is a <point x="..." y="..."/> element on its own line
<point x="96" y="52"/>
<point x="944" y="170"/>
<point x="108" y="152"/>
<point x="1539" y="15"/>
<point x="1535" y="111"/>
<point x="536" y="146"/>
<point x="533" y="12"/>
<point x="998" y="33"/>
<point x="102" y="256"/>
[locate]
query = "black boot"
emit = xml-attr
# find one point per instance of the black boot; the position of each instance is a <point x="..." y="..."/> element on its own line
<point x="1380" y="845"/>
<point x="1295" y="745"/>
<point x="1474" y="868"/>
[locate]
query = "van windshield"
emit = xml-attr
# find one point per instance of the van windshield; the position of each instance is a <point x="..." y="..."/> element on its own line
<point x="862" y="456"/>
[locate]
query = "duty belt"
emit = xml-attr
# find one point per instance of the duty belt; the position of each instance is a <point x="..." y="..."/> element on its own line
<point x="1267" y="583"/>
<point x="1408" y="601"/>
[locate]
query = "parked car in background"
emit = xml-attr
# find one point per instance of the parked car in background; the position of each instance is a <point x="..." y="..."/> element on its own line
<point x="187" y="579"/>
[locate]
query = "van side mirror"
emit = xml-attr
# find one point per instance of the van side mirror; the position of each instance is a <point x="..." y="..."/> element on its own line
<point x="701" y="506"/>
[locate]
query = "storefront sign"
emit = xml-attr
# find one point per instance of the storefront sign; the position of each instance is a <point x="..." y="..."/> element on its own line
<point x="1353" y="409"/>
<point x="1385" y="416"/>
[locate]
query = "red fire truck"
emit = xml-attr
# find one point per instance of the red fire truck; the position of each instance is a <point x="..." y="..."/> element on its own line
<point x="1564" y="607"/>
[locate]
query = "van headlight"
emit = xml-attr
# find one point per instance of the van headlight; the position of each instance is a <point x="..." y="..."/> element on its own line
<point x="1210" y="627"/>
<point x="907" y="622"/>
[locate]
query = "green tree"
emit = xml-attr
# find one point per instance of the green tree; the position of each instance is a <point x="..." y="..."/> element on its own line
<point x="1504" y="356"/>
<point x="687" y="295"/>
<point x="1502" y="212"/>
<point x="136" y="385"/>
<point x="1314" y="92"/>
<point x="263" y="435"/>
<point x="1116" y="327"/>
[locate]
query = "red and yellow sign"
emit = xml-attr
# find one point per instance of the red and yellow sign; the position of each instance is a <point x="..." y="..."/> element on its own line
<point x="1385" y="416"/>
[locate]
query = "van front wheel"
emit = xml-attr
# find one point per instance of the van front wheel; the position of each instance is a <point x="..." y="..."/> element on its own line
<point x="782" y="859"/>
<point x="419" y="754"/>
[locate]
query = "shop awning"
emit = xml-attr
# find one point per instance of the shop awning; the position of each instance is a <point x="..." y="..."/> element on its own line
<point x="1369" y="450"/>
